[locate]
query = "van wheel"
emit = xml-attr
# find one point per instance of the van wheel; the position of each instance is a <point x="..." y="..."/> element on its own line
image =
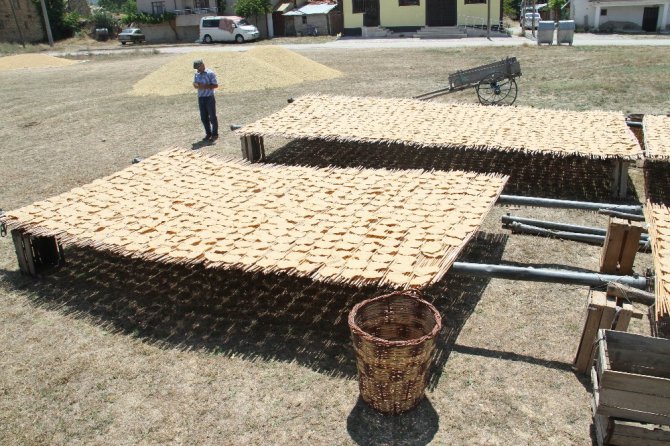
<point x="207" y="38"/>
<point x="239" y="38"/>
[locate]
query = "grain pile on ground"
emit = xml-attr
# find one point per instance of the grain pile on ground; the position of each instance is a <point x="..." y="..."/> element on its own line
<point x="658" y="217"/>
<point x="593" y="134"/>
<point x="358" y="226"/>
<point x="258" y="69"/>
<point x="21" y="61"/>
<point x="657" y="136"/>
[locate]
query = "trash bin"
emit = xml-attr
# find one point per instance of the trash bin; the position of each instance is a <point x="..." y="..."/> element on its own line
<point x="101" y="34"/>
<point x="566" y="31"/>
<point x="394" y="338"/>
<point x="545" y="32"/>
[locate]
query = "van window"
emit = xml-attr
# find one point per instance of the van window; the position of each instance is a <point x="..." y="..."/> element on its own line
<point x="210" y="23"/>
<point x="242" y="22"/>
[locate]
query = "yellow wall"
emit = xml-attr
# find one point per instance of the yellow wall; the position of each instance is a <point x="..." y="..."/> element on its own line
<point x="393" y="15"/>
<point x="351" y="20"/>
<point x="478" y="11"/>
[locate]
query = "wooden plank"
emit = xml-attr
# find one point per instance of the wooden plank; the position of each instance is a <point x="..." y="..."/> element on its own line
<point x="646" y="417"/>
<point x="631" y="294"/>
<point x="20" y="253"/>
<point x="621" y="340"/>
<point x="29" y="256"/>
<point x="616" y="178"/>
<point x="630" y="247"/>
<point x="594" y="312"/>
<point x="641" y="430"/>
<point x="658" y="406"/>
<point x="606" y="321"/>
<point x="609" y="259"/>
<point x="623" y="317"/>
<point x="244" y="142"/>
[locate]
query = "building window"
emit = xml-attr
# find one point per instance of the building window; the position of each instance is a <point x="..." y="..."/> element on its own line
<point x="157" y="7"/>
<point x="475" y="2"/>
<point x="408" y="3"/>
<point x="603" y="12"/>
<point x="304" y="20"/>
<point x="201" y="4"/>
<point x="358" y="6"/>
<point x="16" y="3"/>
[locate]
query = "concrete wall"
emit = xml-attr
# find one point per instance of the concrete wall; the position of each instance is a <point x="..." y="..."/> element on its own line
<point x="584" y="12"/>
<point x="160" y="33"/>
<point x="30" y="22"/>
<point x="318" y="20"/>
<point x="477" y="14"/>
<point x="393" y="15"/>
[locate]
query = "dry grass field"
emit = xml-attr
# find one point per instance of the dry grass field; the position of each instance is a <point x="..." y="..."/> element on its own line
<point x="111" y="351"/>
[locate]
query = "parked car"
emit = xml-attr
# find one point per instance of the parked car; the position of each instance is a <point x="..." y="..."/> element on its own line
<point x="134" y="35"/>
<point x="531" y="19"/>
<point x="226" y="29"/>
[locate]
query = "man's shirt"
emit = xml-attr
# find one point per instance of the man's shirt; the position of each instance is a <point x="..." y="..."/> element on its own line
<point x="207" y="77"/>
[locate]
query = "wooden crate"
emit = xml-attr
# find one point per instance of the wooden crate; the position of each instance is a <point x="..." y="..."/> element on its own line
<point x="632" y="377"/>
<point x="600" y="313"/>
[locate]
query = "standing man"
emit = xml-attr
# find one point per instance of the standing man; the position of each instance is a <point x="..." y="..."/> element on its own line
<point x="205" y="82"/>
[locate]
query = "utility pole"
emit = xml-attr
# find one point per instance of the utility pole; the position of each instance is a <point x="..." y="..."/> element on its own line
<point x="488" y="19"/>
<point x="18" y="27"/>
<point x="46" y="23"/>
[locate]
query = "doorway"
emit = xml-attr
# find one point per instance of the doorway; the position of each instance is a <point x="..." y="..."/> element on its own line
<point x="650" y="19"/>
<point x="371" y="16"/>
<point x="441" y="13"/>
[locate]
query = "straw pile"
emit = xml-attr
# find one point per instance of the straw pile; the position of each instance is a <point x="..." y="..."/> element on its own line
<point x="594" y="134"/>
<point x="658" y="217"/>
<point x="357" y="226"/>
<point x="263" y="67"/>
<point x="22" y="61"/>
<point x="657" y="136"/>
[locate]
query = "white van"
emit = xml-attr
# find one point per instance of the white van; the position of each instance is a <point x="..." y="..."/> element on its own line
<point x="226" y="29"/>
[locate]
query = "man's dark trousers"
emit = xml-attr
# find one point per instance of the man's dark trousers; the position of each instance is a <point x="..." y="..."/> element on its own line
<point x="207" y="106"/>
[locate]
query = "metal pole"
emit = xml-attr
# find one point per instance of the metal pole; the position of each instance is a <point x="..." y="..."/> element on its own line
<point x="509" y="220"/>
<point x="567" y="204"/>
<point x="576" y="236"/>
<point x="488" y="19"/>
<point x="545" y="275"/>
<point x="46" y="23"/>
<point x="18" y="27"/>
<point x="625" y="216"/>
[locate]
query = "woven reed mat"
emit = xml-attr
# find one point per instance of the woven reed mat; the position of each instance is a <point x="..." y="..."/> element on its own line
<point x="658" y="217"/>
<point x="594" y="134"/>
<point x="657" y="136"/>
<point x="403" y="228"/>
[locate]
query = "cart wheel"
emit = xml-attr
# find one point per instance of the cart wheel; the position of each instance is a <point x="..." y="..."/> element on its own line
<point x="497" y="92"/>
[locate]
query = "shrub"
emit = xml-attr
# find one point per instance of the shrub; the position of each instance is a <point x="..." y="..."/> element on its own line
<point x="72" y="22"/>
<point x="103" y="19"/>
<point x="143" y="17"/>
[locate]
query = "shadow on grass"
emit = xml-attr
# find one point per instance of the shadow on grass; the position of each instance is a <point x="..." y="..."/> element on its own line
<point x="414" y="428"/>
<point x="271" y="317"/>
<point x="571" y="177"/>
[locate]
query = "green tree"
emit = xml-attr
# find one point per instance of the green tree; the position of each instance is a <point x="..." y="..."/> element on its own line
<point x="556" y="5"/>
<point x="252" y="8"/>
<point x="511" y="8"/>
<point x="56" y="11"/>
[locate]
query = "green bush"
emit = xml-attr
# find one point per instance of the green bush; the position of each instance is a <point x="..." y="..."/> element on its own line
<point x="143" y="17"/>
<point x="511" y="8"/>
<point x="72" y="22"/>
<point x="103" y="19"/>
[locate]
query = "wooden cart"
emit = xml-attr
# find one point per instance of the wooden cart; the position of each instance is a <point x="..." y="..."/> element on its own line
<point x="494" y="83"/>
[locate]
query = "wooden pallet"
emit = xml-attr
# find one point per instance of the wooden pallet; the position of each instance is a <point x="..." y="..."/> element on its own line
<point x="621" y="245"/>
<point x="600" y="313"/>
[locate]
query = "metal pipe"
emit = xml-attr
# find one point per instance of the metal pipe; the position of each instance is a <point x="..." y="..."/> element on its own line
<point x="633" y="124"/>
<point x="509" y="220"/>
<point x="623" y="215"/>
<point x="578" y="237"/>
<point x="545" y="275"/>
<point x="567" y="204"/>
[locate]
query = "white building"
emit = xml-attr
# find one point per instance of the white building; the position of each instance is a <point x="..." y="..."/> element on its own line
<point x="616" y="15"/>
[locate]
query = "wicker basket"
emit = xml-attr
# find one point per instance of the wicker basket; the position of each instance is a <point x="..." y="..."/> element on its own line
<point x="394" y="339"/>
